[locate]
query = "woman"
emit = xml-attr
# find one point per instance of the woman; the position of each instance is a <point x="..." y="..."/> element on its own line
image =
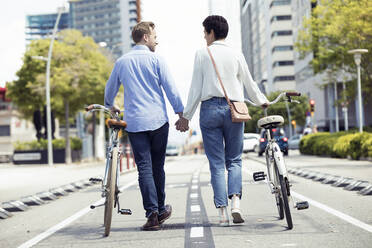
<point x="223" y="139"/>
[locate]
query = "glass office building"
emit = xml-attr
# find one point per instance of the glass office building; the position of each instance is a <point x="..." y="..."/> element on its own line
<point x="41" y="26"/>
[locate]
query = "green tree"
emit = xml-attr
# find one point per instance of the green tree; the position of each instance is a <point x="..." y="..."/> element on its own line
<point x="334" y="27"/>
<point x="79" y="71"/>
<point x="297" y="110"/>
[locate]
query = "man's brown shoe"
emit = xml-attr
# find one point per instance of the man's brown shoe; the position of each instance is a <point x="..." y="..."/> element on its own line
<point x="152" y="223"/>
<point x="164" y="216"/>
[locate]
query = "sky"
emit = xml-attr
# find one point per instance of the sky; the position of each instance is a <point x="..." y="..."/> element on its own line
<point x="178" y="25"/>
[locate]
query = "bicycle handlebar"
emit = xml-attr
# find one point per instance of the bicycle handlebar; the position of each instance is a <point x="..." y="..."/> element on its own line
<point x="287" y="94"/>
<point x="96" y="107"/>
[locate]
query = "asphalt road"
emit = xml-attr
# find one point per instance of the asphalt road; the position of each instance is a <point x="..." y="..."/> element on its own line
<point x="336" y="217"/>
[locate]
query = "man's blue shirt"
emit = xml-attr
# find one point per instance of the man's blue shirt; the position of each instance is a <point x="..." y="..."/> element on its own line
<point x="143" y="75"/>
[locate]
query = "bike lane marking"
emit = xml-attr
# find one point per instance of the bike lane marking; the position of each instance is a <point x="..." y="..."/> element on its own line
<point x="67" y="221"/>
<point x="327" y="209"/>
<point x="198" y="231"/>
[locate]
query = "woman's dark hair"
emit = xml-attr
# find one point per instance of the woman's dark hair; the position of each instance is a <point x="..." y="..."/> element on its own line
<point x="218" y="24"/>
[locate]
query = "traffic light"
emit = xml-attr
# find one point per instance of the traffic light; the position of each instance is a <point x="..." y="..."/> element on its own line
<point x="312" y="106"/>
<point x="293" y="122"/>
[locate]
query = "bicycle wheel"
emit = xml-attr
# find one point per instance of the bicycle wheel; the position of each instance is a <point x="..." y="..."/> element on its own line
<point x="287" y="211"/>
<point x="110" y="191"/>
<point x="278" y="197"/>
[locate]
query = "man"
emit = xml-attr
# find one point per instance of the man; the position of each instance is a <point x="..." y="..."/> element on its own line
<point x="144" y="74"/>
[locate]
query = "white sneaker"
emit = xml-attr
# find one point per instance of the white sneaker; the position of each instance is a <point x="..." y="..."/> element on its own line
<point x="224" y="217"/>
<point x="235" y="210"/>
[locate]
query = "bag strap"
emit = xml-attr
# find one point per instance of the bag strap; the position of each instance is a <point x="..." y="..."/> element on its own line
<point x="218" y="76"/>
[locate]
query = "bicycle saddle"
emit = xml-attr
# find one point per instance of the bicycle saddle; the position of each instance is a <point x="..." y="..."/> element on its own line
<point x="269" y="121"/>
<point x="112" y="123"/>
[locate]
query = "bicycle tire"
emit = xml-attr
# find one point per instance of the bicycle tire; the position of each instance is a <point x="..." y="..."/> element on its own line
<point x="110" y="191"/>
<point x="278" y="197"/>
<point x="287" y="210"/>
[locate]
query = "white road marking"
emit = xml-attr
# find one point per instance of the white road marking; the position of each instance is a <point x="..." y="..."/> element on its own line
<point x="194" y="187"/>
<point x="66" y="222"/>
<point x="195" y="208"/>
<point x="334" y="212"/>
<point x="196" y="232"/>
<point x="330" y="210"/>
<point x="194" y="195"/>
<point x="194" y="181"/>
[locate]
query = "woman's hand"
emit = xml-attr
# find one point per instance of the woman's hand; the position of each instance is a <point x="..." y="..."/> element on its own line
<point x="182" y="124"/>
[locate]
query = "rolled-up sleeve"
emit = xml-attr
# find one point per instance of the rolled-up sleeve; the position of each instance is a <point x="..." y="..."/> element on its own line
<point x="112" y="86"/>
<point x="195" y="91"/>
<point x="169" y="86"/>
<point x="254" y="93"/>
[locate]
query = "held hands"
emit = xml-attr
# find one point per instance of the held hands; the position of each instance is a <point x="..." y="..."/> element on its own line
<point x="182" y="124"/>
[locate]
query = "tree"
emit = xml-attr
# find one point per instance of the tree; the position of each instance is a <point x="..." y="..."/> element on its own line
<point x="298" y="112"/>
<point x="79" y="71"/>
<point x="334" y="27"/>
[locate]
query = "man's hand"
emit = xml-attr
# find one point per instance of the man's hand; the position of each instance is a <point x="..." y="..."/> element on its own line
<point x="182" y="124"/>
<point x="115" y="109"/>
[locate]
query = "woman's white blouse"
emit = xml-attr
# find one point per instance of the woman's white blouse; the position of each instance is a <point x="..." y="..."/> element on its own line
<point x="234" y="73"/>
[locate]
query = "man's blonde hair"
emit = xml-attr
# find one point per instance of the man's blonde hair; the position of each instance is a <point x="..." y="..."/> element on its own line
<point x="140" y="29"/>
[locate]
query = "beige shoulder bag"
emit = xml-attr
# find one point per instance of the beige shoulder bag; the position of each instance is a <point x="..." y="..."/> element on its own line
<point x="239" y="110"/>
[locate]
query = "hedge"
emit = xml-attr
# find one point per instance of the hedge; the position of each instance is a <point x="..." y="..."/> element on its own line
<point x="42" y="144"/>
<point x="340" y="144"/>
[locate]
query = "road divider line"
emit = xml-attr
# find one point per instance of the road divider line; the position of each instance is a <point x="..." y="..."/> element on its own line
<point x="327" y="209"/>
<point x="66" y="222"/>
<point x="197" y="232"/>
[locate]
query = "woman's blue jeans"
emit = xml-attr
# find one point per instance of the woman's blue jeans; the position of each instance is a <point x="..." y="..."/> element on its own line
<point x="223" y="144"/>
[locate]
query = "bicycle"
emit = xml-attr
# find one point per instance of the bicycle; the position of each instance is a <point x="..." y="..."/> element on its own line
<point x="110" y="181"/>
<point x="278" y="179"/>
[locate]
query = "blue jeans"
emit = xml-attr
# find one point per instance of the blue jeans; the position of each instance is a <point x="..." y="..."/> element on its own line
<point x="223" y="144"/>
<point x="149" y="153"/>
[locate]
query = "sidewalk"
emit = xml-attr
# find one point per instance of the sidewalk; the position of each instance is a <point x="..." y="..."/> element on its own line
<point x="17" y="181"/>
<point x="356" y="169"/>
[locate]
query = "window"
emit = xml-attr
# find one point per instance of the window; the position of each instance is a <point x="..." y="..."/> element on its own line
<point x="284" y="78"/>
<point x="283" y="63"/>
<point x="281" y="33"/>
<point x="280" y="2"/>
<point x="4" y="130"/>
<point x="281" y="18"/>
<point x="282" y="48"/>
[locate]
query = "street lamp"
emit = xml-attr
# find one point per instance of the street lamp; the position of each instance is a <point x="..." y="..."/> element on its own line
<point x="47" y="85"/>
<point x="357" y="58"/>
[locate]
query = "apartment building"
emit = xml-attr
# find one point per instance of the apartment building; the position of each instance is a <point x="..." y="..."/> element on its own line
<point x="267" y="42"/>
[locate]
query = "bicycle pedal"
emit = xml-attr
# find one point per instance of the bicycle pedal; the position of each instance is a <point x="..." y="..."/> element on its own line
<point x="259" y="176"/>
<point x="94" y="180"/>
<point x="125" y="211"/>
<point x="302" y="205"/>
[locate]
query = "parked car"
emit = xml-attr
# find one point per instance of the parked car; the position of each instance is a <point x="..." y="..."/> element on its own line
<point x="280" y="138"/>
<point x="250" y="142"/>
<point x="171" y="150"/>
<point x="294" y="141"/>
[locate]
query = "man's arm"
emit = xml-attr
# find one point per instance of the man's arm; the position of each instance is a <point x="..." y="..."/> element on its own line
<point x="112" y="87"/>
<point x="167" y="82"/>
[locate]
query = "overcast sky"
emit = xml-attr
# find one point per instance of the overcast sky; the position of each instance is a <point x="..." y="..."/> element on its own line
<point x="178" y="25"/>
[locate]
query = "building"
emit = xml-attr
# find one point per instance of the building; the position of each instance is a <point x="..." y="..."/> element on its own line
<point x="324" y="89"/>
<point x="108" y="22"/>
<point x="41" y="26"/>
<point x="267" y="42"/>
<point x="230" y="10"/>
<point x="13" y="128"/>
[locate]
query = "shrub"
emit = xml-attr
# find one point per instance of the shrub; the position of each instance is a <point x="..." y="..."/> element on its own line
<point x="342" y="146"/>
<point x="307" y="143"/>
<point x="367" y="146"/>
<point x="356" y="145"/>
<point x="42" y="144"/>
